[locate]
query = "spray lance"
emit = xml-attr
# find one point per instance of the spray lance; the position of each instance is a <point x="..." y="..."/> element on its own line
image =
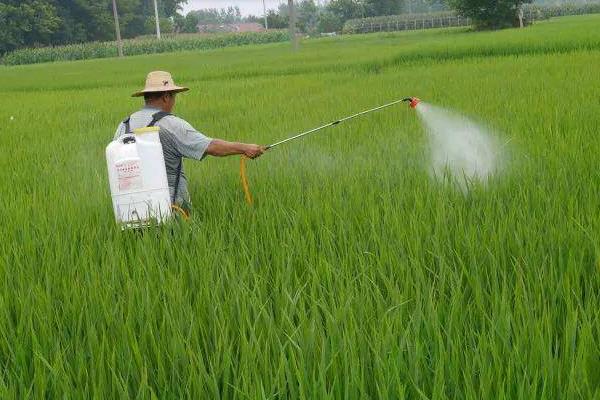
<point x="413" y="102"/>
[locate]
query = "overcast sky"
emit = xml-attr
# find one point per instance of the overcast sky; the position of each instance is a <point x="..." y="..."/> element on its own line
<point x="254" y="7"/>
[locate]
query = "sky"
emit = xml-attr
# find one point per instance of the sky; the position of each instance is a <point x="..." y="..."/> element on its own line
<point x="254" y="7"/>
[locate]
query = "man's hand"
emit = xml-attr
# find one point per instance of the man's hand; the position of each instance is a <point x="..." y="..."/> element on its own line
<point x="254" y="150"/>
<point x="222" y="148"/>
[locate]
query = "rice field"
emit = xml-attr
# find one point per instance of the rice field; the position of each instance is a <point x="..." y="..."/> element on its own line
<point x="355" y="274"/>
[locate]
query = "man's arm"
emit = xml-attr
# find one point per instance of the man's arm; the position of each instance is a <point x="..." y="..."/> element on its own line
<point x="193" y="144"/>
<point x="222" y="148"/>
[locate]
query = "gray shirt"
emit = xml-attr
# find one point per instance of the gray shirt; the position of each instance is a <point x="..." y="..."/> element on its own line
<point x="179" y="139"/>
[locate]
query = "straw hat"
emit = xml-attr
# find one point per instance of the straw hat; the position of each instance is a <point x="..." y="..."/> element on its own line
<point x="159" y="81"/>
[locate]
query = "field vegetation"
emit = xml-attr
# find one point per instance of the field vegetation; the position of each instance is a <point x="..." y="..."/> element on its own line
<point x="146" y="45"/>
<point x="355" y="274"/>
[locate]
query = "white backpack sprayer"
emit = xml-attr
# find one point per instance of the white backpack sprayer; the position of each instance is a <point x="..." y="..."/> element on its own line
<point x="138" y="177"/>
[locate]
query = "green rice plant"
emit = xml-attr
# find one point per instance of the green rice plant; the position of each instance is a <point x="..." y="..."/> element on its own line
<point x="355" y="274"/>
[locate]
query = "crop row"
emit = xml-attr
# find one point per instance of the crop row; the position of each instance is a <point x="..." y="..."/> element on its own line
<point x="132" y="47"/>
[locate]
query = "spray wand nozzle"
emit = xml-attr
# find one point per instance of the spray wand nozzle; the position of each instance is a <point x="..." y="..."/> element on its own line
<point x="414" y="101"/>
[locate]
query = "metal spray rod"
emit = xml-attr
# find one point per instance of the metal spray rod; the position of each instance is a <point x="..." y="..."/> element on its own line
<point x="413" y="103"/>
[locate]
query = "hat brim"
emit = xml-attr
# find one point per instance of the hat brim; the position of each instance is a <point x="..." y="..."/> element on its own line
<point x="168" y="89"/>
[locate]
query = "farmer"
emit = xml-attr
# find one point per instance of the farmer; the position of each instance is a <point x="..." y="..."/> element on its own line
<point x="178" y="138"/>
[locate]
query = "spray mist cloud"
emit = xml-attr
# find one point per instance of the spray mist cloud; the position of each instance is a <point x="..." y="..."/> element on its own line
<point x="460" y="148"/>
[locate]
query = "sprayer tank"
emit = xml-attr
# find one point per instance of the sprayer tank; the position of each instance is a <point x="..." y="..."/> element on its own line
<point x="138" y="179"/>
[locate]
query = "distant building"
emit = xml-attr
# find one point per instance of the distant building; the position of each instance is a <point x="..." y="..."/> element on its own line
<point x="234" y="28"/>
<point x="250" y="27"/>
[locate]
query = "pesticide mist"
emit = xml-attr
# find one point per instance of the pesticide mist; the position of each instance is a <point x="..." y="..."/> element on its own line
<point x="461" y="150"/>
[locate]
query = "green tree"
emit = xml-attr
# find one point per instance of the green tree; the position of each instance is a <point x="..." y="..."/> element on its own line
<point x="83" y="20"/>
<point x="375" y="8"/>
<point x="90" y="20"/>
<point x="277" y="20"/>
<point x="424" y="6"/>
<point x="489" y="14"/>
<point x="231" y="15"/>
<point x="190" y="24"/>
<point x="255" y="18"/>
<point x="308" y="16"/>
<point x="347" y="9"/>
<point x="211" y="16"/>
<point x="170" y="8"/>
<point x="178" y="23"/>
<point x="166" y="25"/>
<point x="134" y="14"/>
<point x="26" y="23"/>
<point x="329" y="22"/>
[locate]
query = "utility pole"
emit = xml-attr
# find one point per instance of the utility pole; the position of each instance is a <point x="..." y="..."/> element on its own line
<point x="119" y="41"/>
<point x="157" y="20"/>
<point x="266" y="19"/>
<point x="292" y="11"/>
<point x="521" y="16"/>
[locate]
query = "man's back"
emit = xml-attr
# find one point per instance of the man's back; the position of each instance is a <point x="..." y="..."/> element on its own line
<point x="179" y="139"/>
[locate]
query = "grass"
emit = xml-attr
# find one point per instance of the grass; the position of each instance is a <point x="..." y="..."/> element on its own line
<point x="354" y="275"/>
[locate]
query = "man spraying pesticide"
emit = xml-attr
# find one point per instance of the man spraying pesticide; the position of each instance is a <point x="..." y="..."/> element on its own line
<point x="145" y="159"/>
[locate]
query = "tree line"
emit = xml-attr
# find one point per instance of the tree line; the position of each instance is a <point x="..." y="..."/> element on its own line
<point x="27" y="23"/>
<point x="313" y="17"/>
<point x="317" y="17"/>
<point x="33" y="23"/>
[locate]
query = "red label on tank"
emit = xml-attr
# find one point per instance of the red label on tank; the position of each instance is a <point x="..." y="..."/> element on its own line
<point x="130" y="175"/>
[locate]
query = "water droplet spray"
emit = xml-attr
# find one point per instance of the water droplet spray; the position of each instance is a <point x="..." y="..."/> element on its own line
<point x="460" y="149"/>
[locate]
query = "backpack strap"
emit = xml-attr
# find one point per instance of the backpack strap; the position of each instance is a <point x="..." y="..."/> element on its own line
<point x="155" y="118"/>
<point x="127" y="125"/>
<point x="177" y="178"/>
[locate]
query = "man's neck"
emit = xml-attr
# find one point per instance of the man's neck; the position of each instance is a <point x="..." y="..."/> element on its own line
<point x="154" y="107"/>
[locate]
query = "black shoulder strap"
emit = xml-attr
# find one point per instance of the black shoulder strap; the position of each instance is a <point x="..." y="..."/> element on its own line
<point x="127" y="126"/>
<point x="157" y="117"/>
<point x="177" y="178"/>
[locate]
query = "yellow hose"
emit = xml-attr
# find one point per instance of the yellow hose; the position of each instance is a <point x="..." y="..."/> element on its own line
<point x="244" y="179"/>
<point x="184" y="214"/>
